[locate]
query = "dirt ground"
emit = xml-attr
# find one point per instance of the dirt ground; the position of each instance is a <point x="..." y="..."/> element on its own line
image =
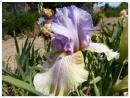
<point x="9" y="50"/>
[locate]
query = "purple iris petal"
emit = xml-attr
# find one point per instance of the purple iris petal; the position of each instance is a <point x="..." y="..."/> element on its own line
<point x="41" y="21"/>
<point x="75" y="24"/>
<point x="61" y="43"/>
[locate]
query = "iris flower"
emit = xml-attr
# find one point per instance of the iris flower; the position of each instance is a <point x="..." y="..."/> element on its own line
<point x="64" y="69"/>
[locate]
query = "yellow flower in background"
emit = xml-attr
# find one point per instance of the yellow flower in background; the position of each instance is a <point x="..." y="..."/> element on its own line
<point x="46" y="30"/>
<point x="48" y="12"/>
<point x="123" y="13"/>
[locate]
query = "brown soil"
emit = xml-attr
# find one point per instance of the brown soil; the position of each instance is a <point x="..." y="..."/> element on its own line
<point x="9" y="49"/>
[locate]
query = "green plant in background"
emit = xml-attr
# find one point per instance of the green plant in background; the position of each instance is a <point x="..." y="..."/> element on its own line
<point x="6" y="14"/>
<point x="114" y="11"/>
<point x="95" y="17"/>
<point x="113" y="76"/>
<point x="111" y="36"/>
<point x="21" y="23"/>
<point x="26" y="59"/>
<point x="115" y="71"/>
<point x="24" y="22"/>
<point x="124" y="44"/>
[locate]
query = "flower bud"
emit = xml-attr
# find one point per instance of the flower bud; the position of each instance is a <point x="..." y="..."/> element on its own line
<point x="46" y="30"/>
<point x="48" y="13"/>
<point x="100" y="58"/>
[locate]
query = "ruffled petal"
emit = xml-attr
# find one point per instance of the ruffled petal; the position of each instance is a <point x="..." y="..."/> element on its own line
<point x="102" y="48"/>
<point x="75" y="24"/>
<point x="65" y="75"/>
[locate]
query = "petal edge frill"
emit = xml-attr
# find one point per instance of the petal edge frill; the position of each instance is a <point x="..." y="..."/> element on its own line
<point x="102" y="48"/>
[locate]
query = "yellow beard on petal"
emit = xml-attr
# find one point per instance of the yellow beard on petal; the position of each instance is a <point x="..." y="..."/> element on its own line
<point x="65" y="75"/>
<point x="63" y="53"/>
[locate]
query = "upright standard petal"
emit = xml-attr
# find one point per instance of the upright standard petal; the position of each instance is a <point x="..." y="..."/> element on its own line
<point x="73" y="24"/>
<point x="65" y="75"/>
<point x="101" y="48"/>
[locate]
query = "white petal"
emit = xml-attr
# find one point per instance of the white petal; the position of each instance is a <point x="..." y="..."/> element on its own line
<point x="65" y="75"/>
<point x="102" y="48"/>
<point x="49" y="24"/>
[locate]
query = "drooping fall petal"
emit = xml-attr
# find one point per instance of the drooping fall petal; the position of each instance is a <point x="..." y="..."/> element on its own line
<point x="65" y="75"/>
<point x="102" y="48"/>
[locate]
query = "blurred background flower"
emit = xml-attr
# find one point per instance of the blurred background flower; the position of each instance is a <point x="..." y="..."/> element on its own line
<point x="100" y="58"/>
